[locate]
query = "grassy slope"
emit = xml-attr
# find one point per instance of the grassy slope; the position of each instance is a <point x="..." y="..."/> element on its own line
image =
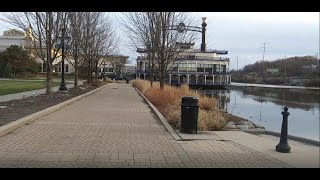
<point x="15" y="86"/>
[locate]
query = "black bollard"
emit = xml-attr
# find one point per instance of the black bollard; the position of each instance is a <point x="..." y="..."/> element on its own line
<point x="283" y="145"/>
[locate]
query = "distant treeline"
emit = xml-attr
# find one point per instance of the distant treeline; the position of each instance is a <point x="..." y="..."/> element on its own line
<point x="281" y="71"/>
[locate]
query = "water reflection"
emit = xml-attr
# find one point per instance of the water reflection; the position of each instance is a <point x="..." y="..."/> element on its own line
<point x="292" y="98"/>
<point x="264" y="106"/>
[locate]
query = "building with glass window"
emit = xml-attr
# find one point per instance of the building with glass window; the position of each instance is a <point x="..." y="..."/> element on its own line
<point x="195" y="67"/>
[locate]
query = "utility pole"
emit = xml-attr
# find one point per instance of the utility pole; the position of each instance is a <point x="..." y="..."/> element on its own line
<point x="237" y="63"/>
<point x="264" y="51"/>
<point x="285" y="65"/>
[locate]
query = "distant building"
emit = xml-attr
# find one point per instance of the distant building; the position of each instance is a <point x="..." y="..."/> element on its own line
<point x="192" y="66"/>
<point x="107" y="68"/>
<point x="311" y="67"/>
<point x="196" y="67"/>
<point x="26" y="39"/>
<point x="14" y="37"/>
<point x="273" y="70"/>
<point x="129" y="69"/>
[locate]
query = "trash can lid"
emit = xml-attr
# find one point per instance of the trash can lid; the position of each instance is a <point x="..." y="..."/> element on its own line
<point x="190" y="100"/>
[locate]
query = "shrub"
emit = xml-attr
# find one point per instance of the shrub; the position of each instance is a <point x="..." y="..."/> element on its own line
<point x="168" y="102"/>
<point x="141" y="85"/>
<point x="212" y="120"/>
<point x="97" y="83"/>
<point x="207" y="103"/>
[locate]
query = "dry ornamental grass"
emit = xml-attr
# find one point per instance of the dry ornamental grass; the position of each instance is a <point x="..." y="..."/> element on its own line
<point x="168" y="102"/>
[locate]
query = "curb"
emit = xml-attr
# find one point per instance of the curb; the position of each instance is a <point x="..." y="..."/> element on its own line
<point x="25" y="120"/>
<point x="295" y="138"/>
<point x="162" y="118"/>
<point x="290" y="137"/>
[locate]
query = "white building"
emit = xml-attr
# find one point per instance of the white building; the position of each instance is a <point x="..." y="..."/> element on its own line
<point x="14" y="37"/>
<point x="195" y="67"/>
<point x="129" y="69"/>
<point x="20" y="38"/>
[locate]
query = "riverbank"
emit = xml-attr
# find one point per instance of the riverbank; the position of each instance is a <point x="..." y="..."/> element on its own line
<point x="264" y="106"/>
<point x="273" y="86"/>
<point x="210" y="117"/>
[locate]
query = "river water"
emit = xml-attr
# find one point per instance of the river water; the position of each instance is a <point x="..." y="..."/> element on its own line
<point x="263" y="106"/>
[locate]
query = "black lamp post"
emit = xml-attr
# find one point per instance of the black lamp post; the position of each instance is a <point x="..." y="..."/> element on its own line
<point x="203" y="31"/>
<point x="64" y="40"/>
<point x="181" y="27"/>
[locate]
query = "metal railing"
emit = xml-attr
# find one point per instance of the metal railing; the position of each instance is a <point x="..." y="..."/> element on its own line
<point x="194" y="58"/>
<point x="211" y="51"/>
<point x="199" y="73"/>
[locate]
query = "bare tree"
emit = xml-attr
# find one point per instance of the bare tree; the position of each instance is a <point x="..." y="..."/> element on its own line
<point x="153" y="31"/>
<point x="141" y="31"/>
<point x="106" y="42"/>
<point x="43" y="28"/>
<point x="90" y="23"/>
<point x="76" y="26"/>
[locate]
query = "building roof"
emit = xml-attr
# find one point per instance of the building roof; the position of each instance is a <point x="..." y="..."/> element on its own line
<point x="13" y="32"/>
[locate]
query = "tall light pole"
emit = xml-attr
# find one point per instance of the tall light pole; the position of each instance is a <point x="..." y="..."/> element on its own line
<point x="64" y="40"/>
<point x="264" y="50"/>
<point x="285" y="65"/>
<point x="237" y="63"/>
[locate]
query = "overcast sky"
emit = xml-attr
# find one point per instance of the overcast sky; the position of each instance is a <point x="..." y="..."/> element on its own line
<point x="243" y="35"/>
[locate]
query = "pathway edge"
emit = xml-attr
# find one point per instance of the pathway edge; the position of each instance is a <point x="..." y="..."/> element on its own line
<point x="5" y="129"/>
<point x="161" y="117"/>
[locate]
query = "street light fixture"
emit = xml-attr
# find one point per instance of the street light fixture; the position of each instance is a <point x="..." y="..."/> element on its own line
<point x="64" y="44"/>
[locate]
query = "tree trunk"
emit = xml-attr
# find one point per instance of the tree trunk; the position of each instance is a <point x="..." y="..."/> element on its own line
<point x="96" y="74"/>
<point x="162" y="71"/>
<point x="161" y="81"/>
<point x="151" y="78"/>
<point x="76" y="73"/>
<point x="89" y="73"/>
<point x="49" y="79"/>
<point x="152" y="74"/>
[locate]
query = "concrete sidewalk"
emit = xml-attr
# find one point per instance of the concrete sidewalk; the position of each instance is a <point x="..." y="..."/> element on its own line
<point x="114" y="127"/>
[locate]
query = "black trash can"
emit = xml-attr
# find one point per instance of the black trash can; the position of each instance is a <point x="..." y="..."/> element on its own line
<point x="189" y="115"/>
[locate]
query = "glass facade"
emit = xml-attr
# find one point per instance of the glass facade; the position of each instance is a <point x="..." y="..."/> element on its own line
<point x="198" y="67"/>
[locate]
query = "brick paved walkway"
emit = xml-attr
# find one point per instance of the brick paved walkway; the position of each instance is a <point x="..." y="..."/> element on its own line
<point x="113" y="127"/>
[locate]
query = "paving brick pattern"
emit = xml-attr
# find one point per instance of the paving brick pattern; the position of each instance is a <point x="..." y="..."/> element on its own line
<point x="113" y="127"/>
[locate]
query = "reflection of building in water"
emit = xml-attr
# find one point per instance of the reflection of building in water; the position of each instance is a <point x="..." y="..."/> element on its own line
<point x="292" y="98"/>
<point x="223" y="97"/>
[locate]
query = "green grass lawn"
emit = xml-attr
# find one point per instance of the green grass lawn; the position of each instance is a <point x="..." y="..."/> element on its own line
<point x="15" y="86"/>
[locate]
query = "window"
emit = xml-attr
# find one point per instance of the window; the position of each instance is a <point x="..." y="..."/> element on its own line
<point x="200" y="69"/>
<point x="40" y="67"/>
<point x="66" y="68"/>
<point x="59" y="69"/>
<point x="44" y="68"/>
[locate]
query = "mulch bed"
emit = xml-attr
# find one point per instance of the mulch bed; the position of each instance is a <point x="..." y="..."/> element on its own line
<point x="20" y="108"/>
